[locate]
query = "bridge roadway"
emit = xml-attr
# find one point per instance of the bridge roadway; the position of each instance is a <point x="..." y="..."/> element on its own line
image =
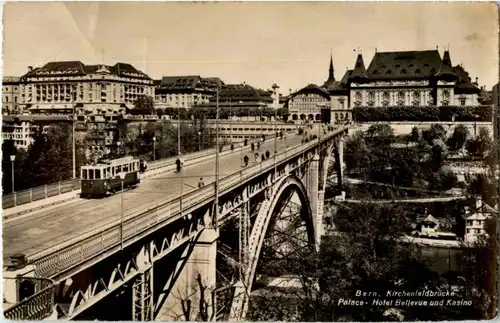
<point x="49" y="227"/>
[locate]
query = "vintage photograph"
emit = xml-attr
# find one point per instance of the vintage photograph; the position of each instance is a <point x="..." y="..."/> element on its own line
<point x="250" y="161"/>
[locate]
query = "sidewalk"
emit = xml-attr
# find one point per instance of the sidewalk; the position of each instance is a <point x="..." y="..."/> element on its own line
<point x="40" y="204"/>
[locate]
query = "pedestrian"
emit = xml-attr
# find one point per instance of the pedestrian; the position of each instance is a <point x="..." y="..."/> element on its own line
<point x="201" y="183"/>
<point x="245" y="160"/>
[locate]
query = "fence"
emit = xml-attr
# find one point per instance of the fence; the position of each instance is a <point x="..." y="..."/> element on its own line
<point x="57" y="259"/>
<point x="49" y="190"/>
<point x="38" y="306"/>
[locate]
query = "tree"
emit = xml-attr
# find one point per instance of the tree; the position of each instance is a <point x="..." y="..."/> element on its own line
<point x="437" y="158"/>
<point x="457" y="140"/>
<point x="415" y="135"/>
<point x="356" y="153"/>
<point x="480" y="146"/>
<point x="143" y="105"/>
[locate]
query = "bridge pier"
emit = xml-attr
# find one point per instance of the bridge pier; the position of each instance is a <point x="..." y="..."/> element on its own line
<point x="191" y="294"/>
<point x="312" y="186"/>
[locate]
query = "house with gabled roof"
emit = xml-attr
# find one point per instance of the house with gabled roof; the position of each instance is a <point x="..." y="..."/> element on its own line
<point x="476" y="220"/>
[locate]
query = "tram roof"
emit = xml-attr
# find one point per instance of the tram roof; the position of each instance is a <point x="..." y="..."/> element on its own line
<point x="113" y="162"/>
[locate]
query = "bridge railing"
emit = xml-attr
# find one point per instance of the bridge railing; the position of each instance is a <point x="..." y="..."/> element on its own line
<point x="66" y="255"/>
<point x="38" y="306"/>
<point x="49" y="190"/>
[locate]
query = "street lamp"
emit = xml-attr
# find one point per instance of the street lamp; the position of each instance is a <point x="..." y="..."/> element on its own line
<point x="276" y="102"/>
<point x="13" y="159"/>
<point x="199" y="140"/>
<point x="154" y="148"/>
<point x="118" y="143"/>
<point x="122" y="178"/>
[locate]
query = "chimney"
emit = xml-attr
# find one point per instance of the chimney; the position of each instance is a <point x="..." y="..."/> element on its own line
<point x="30" y="69"/>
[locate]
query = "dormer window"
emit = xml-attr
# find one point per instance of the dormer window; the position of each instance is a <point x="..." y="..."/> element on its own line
<point x="398" y="66"/>
<point x="375" y="72"/>
<point x="388" y="72"/>
<point x="417" y="71"/>
<point x="403" y="71"/>
<point x="411" y="65"/>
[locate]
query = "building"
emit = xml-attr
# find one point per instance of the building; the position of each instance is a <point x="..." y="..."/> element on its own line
<point x="241" y="97"/>
<point x="21" y="132"/>
<point x="403" y="78"/>
<point x="185" y="91"/>
<point x="476" y="220"/>
<point x="429" y="226"/>
<point x="11" y="94"/>
<point x="61" y="87"/>
<point x="328" y="103"/>
<point x="411" y="78"/>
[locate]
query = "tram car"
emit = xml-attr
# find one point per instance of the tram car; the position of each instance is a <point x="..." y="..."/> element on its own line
<point x="100" y="179"/>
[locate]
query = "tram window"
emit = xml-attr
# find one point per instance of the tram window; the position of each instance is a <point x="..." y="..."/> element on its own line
<point x="91" y="174"/>
<point x="125" y="168"/>
<point x="118" y="169"/>
<point x="84" y="174"/>
<point x="97" y="174"/>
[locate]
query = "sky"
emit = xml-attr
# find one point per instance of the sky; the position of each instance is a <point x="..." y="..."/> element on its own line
<point x="260" y="43"/>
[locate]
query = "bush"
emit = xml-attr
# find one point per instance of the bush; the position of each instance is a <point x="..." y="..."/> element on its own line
<point x="430" y="113"/>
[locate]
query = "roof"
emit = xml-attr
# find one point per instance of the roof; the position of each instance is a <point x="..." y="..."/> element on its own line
<point x="404" y="64"/>
<point x="430" y="218"/>
<point x="312" y="88"/>
<point x="339" y="87"/>
<point x="359" y="72"/>
<point x="190" y="82"/>
<point x="77" y="68"/>
<point x="446" y="70"/>
<point x="464" y="84"/>
<point x="11" y="80"/>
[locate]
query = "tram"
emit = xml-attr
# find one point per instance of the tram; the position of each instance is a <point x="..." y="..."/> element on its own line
<point x="104" y="177"/>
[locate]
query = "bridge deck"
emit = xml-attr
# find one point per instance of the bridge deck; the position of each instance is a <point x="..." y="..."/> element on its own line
<point x="49" y="227"/>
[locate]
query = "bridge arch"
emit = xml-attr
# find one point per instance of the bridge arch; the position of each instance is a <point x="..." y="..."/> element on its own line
<point x="281" y="190"/>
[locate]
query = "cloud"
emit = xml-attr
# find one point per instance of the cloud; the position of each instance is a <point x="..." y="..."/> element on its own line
<point x="472" y="37"/>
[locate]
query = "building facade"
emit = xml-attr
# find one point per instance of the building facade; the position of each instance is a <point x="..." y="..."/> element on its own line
<point x="476" y="220"/>
<point x="411" y="78"/>
<point x="11" y="95"/>
<point x="328" y="103"/>
<point x="60" y="87"/>
<point x="185" y="91"/>
<point x="404" y="78"/>
<point x="240" y="96"/>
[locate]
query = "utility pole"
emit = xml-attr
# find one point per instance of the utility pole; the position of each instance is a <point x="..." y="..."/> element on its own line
<point x="230" y="125"/>
<point x="216" y="213"/>
<point x="276" y="103"/>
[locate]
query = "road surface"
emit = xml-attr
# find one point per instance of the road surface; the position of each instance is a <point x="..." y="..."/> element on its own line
<point x="48" y="227"/>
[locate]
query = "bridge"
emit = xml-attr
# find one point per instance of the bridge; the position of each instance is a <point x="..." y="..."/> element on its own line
<point x="176" y="251"/>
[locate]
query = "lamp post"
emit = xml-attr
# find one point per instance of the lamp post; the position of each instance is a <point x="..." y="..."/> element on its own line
<point x="179" y="135"/>
<point x="118" y="143"/>
<point x="122" y="178"/>
<point x="199" y="140"/>
<point x="13" y="159"/>
<point x="216" y="217"/>
<point x="73" y="139"/>
<point x="276" y="101"/>
<point x="154" y="148"/>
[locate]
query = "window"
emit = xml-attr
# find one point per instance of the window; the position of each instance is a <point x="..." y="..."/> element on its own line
<point x="417" y="71"/>
<point x="97" y="174"/>
<point x="401" y="95"/>
<point x="403" y="71"/>
<point x="388" y="72"/>
<point x="371" y="96"/>
<point x="84" y="174"/>
<point x="398" y="66"/>
<point x="462" y="101"/>
<point x="91" y="174"/>
<point x="358" y="96"/>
